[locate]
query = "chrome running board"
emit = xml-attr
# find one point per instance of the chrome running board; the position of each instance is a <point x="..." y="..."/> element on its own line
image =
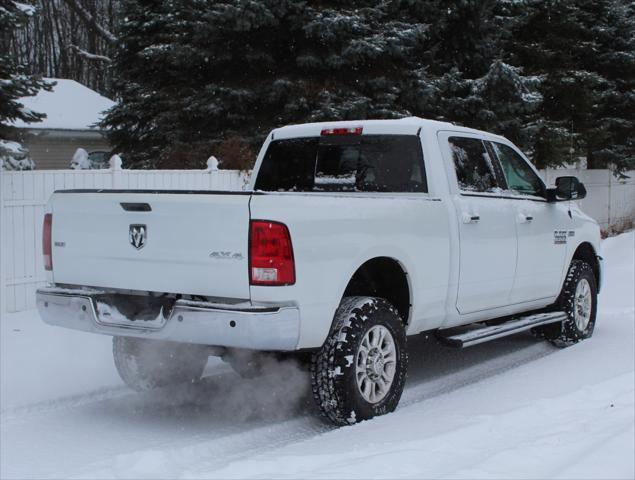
<point x="482" y="334"/>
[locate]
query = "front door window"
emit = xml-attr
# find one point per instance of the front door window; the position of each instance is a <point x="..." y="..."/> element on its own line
<point x="521" y="178"/>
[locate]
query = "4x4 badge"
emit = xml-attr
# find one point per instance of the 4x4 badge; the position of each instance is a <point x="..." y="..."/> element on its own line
<point x="138" y="235"/>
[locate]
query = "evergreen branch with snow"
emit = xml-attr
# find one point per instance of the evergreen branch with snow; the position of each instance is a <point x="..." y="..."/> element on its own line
<point x="89" y="56"/>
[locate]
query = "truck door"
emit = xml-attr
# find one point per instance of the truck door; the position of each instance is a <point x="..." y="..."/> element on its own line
<point x="543" y="229"/>
<point x="486" y="224"/>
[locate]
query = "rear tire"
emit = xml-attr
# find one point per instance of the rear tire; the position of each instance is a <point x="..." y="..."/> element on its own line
<point x="147" y="364"/>
<point x="578" y="300"/>
<point x="360" y="371"/>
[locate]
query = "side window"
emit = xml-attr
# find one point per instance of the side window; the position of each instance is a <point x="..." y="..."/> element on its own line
<point x="474" y="167"/>
<point x="520" y="177"/>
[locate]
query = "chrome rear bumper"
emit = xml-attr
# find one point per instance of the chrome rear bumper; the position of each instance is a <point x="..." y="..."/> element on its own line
<point x="245" y="326"/>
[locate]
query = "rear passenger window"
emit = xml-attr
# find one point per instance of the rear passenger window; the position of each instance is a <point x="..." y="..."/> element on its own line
<point x="366" y="163"/>
<point x="473" y="164"/>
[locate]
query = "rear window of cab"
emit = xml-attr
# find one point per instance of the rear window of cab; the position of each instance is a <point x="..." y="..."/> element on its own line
<point x="347" y="163"/>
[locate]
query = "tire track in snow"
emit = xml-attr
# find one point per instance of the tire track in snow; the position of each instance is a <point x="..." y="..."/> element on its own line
<point x="448" y="370"/>
<point x="16" y="414"/>
<point x="437" y="372"/>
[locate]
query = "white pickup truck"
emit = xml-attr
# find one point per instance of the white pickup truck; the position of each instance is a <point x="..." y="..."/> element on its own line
<point x="353" y="236"/>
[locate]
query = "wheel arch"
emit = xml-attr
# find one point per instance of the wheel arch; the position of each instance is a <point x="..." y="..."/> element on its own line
<point x="384" y="277"/>
<point x="586" y="252"/>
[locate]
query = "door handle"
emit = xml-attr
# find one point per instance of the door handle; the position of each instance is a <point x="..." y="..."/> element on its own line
<point x="470" y="218"/>
<point x="136" y="207"/>
<point x="522" y="218"/>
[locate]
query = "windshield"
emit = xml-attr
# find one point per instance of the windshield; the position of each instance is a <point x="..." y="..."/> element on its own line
<point x="367" y="163"/>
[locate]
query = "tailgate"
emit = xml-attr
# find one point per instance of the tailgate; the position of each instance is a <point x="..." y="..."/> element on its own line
<point x="189" y="243"/>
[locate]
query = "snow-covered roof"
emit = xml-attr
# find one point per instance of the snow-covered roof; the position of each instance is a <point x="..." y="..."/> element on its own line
<point x="69" y="106"/>
<point x="408" y="125"/>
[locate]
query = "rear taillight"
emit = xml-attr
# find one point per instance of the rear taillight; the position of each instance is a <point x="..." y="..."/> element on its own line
<point x="342" y="131"/>
<point x="46" y="241"/>
<point x="270" y="254"/>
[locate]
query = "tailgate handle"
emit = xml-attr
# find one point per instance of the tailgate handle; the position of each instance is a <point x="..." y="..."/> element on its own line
<point x="136" y="207"/>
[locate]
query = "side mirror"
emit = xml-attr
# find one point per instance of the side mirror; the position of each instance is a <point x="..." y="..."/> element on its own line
<point x="567" y="188"/>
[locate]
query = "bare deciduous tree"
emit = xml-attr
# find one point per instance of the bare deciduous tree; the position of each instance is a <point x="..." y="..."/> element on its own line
<point x="70" y="39"/>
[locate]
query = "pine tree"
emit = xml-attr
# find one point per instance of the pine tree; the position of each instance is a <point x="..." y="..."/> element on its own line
<point x="196" y="77"/>
<point x="14" y="84"/>
<point x="194" y="73"/>
<point x="465" y="36"/>
<point x="584" y="51"/>
<point x="471" y="81"/>
<point x="611" y="137"/>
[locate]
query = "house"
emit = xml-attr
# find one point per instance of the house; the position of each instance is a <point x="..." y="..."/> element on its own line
<point x="72" y="110"/>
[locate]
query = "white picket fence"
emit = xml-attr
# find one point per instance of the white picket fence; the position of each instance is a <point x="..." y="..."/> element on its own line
<point x="24" y="194"/>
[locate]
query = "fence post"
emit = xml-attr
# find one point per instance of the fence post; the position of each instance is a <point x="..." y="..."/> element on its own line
<point x="609" y="200"/>
<point x="4" y="254"/>
<point x="212" y="164"/>
<point x="115" y="168"/>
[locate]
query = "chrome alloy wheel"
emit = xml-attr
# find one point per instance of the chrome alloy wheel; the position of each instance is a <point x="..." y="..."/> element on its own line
<point x="376" y="364"/>
<point x="583" y="302"/>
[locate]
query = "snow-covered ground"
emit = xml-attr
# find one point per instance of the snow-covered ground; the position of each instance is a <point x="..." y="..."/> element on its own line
<point x="514" y="408"/>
